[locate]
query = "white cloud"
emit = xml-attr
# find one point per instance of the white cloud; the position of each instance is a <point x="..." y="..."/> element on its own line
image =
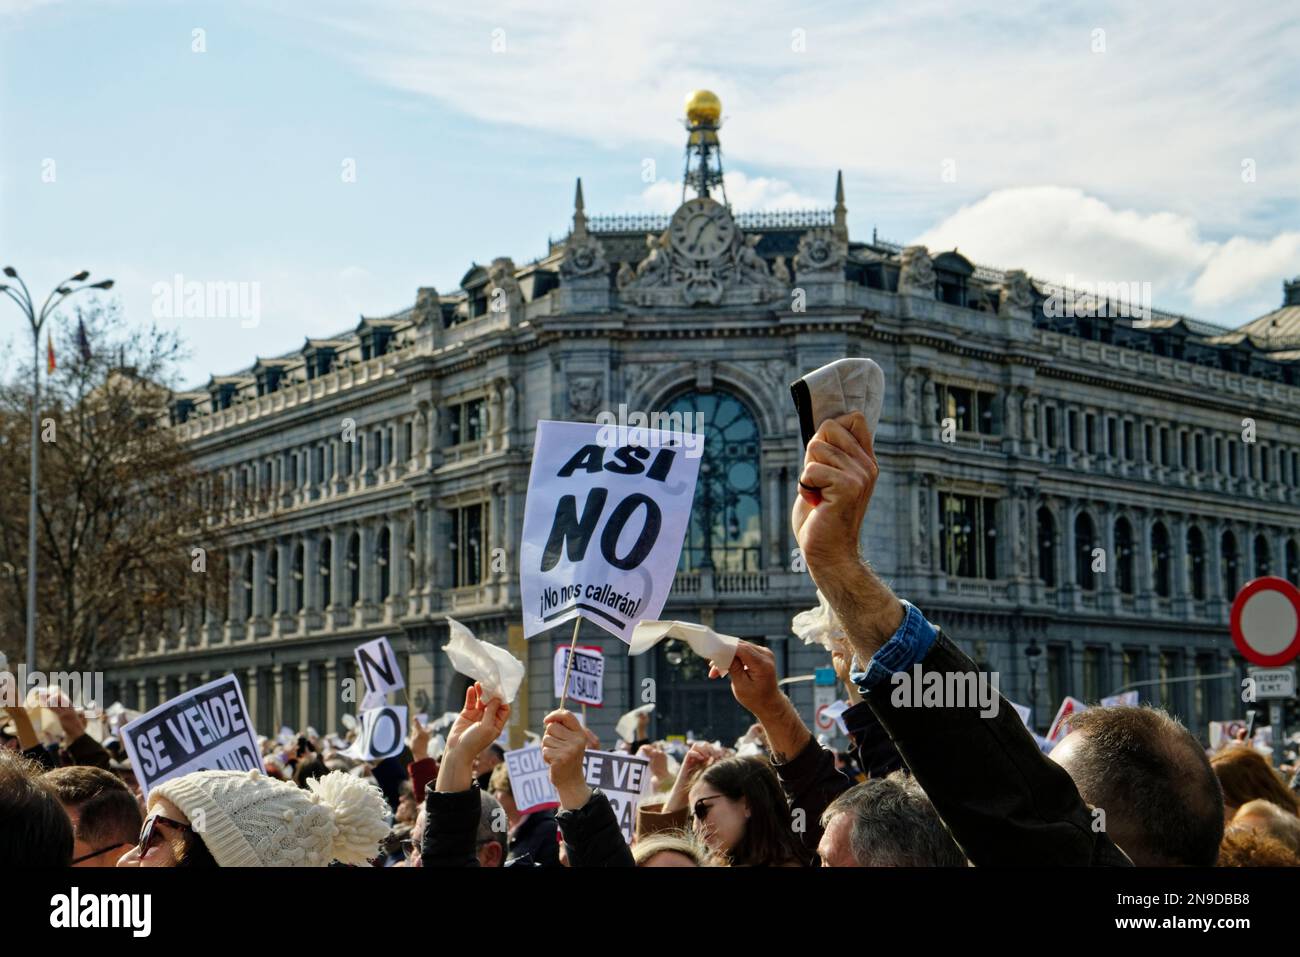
<point x="1062" y="234"/>
<point x="743" y="192"/>
<point x="1162" y="118"/>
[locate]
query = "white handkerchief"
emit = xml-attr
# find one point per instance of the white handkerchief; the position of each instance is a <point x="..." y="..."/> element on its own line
<point x="626" y="726"/>
<point x="705" y="642"/>
<point x="843" y="386"/>
<point x="499" y="672"/>
<point x="819" y="626"/>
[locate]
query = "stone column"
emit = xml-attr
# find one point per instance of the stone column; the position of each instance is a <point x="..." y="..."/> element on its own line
<point x="776" y="560"/>
<point x="260" y="601"/>
<point x="331" y="692"/>
<point x="304" y="694"/>
<point x="251" y="693"/>
<point x="277" y="697"/>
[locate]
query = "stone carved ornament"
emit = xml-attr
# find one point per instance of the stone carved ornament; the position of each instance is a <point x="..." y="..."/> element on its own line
<point x="916" y="276"/>
<point x="820" y="251"/>
<point x="584" y="395"/>
<point x="1017" y="292"/>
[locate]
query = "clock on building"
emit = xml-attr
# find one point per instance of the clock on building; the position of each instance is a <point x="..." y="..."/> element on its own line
<point x="702" y="229"/>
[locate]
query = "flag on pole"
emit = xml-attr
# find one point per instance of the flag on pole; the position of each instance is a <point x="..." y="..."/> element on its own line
<point x="49" y="354"/>
<point x="83" y="341"/>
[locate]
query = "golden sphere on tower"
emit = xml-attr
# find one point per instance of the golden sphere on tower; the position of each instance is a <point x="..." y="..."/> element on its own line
<point x="703" y="106"/>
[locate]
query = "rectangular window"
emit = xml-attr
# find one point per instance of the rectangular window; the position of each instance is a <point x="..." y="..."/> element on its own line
<point x="1049" y="426"/>
<point x="1183" y="460"/>
<point x="968" y="536"/>
<point x="468" y="537"/>
<point x="1148" y="433"/>
<point x="1072" y="430"/>
<point x="1128" y="441"/>
<point x="1058" y="674"/>
<point x="1218" y="455"/>
<point x="1232" y="459"/>
<point x="1131" y="667"/>
<point x="1265" y="454"/>
<point x="1093" y="659"/>
<point x="1200" y="452"/>
<point x="970" y="410"/>
<point x="1164" y="446"/>
<point x="1090" y="434"/>
<point x="1112" y="437"/>
<point x="465" y="422"/>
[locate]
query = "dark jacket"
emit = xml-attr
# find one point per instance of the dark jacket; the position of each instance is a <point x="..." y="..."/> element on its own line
<point x="592" y="835"/>
<point x="451" y="828"/>
<point x="1004" y="801"/>
<point x="811" y="782"/>
<point x="84" y="749"/>
<point x="535" y="841"/>
<point x="876" y="754"/>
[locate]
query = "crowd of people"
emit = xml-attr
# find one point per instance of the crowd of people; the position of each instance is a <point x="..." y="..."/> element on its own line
<point x="946" y="786"/>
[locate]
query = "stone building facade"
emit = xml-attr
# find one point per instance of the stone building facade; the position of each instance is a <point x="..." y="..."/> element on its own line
<point x="1088" y="487"/>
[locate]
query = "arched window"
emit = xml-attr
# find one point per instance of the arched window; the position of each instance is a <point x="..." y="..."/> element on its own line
<point x="1046" y="547"/>
<point x="725" y="532"/>
<point x="1293" y="562"/>
<point x="1124" y="555"/>
<point x="1085" y="540"/>
<point x="1160" y="559"/>
<point x="1228" y="554"/>
<point x="383" y="552"/>
<point x="326" y="566"/>
<point x="1196" y="562"/>
<point x="354" y="569"/>
<point x="298" y="582"/>
<point x="248" y="589"/>
<point x="1263" y="563"/>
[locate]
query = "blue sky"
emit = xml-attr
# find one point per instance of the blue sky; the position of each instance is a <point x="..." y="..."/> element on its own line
<point x="1086" y="141"/>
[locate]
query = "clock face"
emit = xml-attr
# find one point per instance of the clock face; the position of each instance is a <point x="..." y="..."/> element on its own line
<point x="702" y="229"/>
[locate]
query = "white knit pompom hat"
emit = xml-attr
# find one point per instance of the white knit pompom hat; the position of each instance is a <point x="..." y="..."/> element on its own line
<point x="247" y="819"/>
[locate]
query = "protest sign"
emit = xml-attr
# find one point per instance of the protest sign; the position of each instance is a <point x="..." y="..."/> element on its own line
<point x="623" y="778"/>
<point x="204" y="729"/>
<point x="381" y="733"/>
<point x="377" y="666"/>
<point x="603" y="525"/>
<point x="586" y="678"/>
<point x="530" y="780"/>
<point x="1059" y="728"/>
<point x="1125" y="699"/>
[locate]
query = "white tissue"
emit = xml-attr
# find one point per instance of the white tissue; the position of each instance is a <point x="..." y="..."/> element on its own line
<point x="705" y="642"/>
<point x="626" y="726"/>
<point x="819" y="626"/>
<point x="499" y="672"/>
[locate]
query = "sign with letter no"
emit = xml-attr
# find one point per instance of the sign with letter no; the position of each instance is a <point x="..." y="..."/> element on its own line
<point x="603" y="525"/>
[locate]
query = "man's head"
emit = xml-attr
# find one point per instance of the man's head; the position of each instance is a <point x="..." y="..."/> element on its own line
<point x="886" y="822"/>
<point x="106" y="818"/>
<point x="1149" y="775"/>
<point x="34" y="828"/>
<point x="1267" y="817"/>
<point x="490" y="842"/>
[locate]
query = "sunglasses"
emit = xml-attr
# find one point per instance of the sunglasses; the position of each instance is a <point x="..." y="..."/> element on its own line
<point x="102" y="850"/>
<point x="702" y="807"/>
<point x="150" y="831"/>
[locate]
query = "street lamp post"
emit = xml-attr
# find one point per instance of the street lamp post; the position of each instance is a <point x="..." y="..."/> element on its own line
<point x="37" y="321"/>
<point x="1031" y="655"/>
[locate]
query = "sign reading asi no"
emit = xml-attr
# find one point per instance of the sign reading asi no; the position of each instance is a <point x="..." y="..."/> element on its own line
<point x="603" y="526"/>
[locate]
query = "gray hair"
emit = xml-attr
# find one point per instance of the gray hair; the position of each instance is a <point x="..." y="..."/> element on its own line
<point x="894" y="825"/>
<point x="491" y="823"/>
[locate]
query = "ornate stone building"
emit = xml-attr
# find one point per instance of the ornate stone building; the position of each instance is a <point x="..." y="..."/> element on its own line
<point x="1086" y="487"/>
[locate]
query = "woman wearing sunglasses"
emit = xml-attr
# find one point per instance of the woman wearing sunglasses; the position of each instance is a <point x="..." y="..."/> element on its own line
<point x="739" y="811"/>
<point x="246" y="819"/>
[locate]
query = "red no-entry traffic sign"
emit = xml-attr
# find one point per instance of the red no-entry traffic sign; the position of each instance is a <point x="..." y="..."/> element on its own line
<point x="1265" y="621"/>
